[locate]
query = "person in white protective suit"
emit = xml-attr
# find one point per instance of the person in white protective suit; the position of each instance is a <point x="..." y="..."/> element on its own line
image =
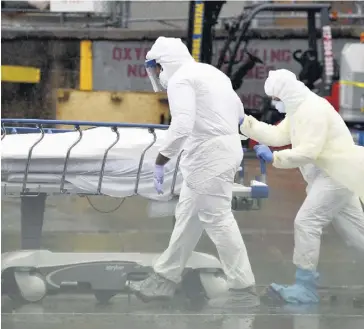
<point x="332" y="165"/>
<point x="205" y="114"/>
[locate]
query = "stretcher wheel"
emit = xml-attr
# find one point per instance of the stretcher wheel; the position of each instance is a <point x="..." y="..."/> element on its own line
<point x="214" y="284"/>
<point x="25" y="287"/>
<point x="104" y="296"/>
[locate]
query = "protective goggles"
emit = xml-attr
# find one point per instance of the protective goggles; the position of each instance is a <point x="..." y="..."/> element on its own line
<point x="153" y="70"/>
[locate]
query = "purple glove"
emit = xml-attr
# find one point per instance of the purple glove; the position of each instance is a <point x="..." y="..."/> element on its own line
<point x="264" y="152"/>
<point x="158" y="178"/>
<point x="241" y="120"/>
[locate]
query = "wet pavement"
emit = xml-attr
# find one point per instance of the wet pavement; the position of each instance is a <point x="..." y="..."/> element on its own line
<point x="82" y="312"/>
<point x="71" y="224"/>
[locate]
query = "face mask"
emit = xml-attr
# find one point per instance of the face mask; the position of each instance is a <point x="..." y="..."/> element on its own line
<point x="279" y="105"/>
<point x="163" y="79"/>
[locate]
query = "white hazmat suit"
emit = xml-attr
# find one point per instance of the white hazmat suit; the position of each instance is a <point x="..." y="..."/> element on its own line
<point x="332" y="165"/>
<point x="205" y="113"/>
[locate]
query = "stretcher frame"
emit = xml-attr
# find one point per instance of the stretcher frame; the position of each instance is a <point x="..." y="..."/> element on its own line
<point x="244" y="198"/>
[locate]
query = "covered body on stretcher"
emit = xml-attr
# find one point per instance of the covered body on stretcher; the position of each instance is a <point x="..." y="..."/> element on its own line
<point x="126" y="172"/>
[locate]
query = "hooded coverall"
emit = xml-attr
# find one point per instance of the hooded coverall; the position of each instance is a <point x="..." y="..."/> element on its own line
<point x="332" y="165"/>
<point x="205" y="112"/>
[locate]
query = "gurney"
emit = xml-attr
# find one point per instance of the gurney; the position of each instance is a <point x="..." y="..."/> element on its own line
<point x="96" y="161"/>
<point x="106" y="159"/>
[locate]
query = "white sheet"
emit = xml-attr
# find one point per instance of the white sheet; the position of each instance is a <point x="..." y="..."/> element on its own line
<point x="86" y="159"/>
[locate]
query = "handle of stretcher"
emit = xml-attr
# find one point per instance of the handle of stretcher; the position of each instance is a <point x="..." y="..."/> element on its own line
<point x="255" y="190"/>
<point x="263" y="169"/>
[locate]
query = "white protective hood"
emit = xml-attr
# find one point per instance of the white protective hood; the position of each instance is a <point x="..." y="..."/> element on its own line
<point x="284" y="85"/>
<point x="170" y="53"/>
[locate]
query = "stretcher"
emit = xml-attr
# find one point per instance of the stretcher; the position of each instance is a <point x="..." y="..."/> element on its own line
<point x="93" y="158"/>
<point x="96" y="161"/>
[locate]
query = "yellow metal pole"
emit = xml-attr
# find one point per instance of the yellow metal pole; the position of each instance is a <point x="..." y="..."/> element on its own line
<point x="197" y="30"/>
<point x="86" y="75"/>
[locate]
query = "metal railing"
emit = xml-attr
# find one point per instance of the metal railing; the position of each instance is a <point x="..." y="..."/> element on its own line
<point x="261" y="20"/>
<point x="118" y="14"/>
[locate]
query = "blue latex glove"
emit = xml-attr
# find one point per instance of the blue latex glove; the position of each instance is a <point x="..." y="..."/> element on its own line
<point x="158" y="178"/>
<point x="241" y="120"/>
<point x="264" y="152"/>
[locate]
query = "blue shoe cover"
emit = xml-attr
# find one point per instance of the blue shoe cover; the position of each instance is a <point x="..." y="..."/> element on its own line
<point x="304" y="291"/>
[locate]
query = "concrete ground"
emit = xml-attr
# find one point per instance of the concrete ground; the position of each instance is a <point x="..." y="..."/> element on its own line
<point x="71" y="224"/>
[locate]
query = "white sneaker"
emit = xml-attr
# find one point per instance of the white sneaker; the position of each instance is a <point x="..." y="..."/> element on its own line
<point x="155" y="287"/>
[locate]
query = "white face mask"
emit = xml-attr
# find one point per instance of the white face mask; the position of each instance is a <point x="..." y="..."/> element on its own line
<point x="163" y="79"/>
<point x="279" y="105"/>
